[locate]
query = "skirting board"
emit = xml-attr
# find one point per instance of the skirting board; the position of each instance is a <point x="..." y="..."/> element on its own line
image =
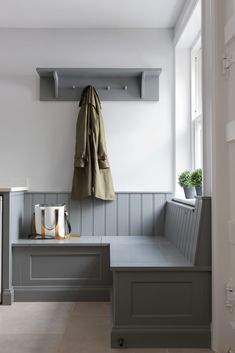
<point x="160" y="338"/>
<point x="61" y="294"/>
<point x="7" y="297"/>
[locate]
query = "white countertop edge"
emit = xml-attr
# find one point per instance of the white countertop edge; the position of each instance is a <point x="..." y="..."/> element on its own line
<point x="13" y="188"/>
<point x="60" y="191"/>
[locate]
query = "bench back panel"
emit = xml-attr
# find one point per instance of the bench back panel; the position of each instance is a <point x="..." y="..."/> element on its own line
<point x="130" y="213"/>
<point x="188" y="228"/>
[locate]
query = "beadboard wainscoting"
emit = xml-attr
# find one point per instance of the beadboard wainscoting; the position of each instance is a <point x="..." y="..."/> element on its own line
<point x="189" y="229"/>
<point x="129" y="214"/>
<point x="181" y="228"/>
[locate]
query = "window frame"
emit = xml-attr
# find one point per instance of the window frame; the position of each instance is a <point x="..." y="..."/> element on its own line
<point x="196" y="104"/>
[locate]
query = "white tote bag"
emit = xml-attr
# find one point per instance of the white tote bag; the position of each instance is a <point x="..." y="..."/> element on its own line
<point x="50" y="221"/>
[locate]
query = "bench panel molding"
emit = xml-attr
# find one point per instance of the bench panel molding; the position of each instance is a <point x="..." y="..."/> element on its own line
<point x="61" y="273"/>
<point x="183" y="298"/>
<point x="182" y="321"/>
<point x="66" y="266"/>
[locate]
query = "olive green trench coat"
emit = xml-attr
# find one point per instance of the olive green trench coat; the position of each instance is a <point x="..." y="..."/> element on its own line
<point x="92" y="175"/>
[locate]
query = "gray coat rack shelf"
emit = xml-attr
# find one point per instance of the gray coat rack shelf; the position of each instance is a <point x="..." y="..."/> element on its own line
<point x="67" y="84"/>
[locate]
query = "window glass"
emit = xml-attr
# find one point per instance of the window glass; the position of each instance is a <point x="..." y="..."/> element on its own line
<point x="196" y="78"/>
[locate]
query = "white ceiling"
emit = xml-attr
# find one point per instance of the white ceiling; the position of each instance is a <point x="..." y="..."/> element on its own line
<point x="89" y="13"/>
<point x="192" y="28"/>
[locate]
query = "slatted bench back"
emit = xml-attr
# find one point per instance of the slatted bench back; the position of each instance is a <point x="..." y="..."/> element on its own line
<point x="189" y="229"/>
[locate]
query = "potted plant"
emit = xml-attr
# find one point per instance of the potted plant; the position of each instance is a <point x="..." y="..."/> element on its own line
<point x="185" y="183"/>
<point x="196" y="180"/>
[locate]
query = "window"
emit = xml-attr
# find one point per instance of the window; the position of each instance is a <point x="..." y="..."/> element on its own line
<point x="196" y="79"/>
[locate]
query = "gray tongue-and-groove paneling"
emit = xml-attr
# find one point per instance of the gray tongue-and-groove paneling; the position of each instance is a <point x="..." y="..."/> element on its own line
<point x="188" y="227"/>
<point x="180" y="227"/>
<point x="129" y="214"/>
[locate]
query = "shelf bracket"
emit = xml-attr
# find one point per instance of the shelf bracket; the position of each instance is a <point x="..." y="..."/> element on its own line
<point x="56" y="82"/>
<point x="149" y="82"/>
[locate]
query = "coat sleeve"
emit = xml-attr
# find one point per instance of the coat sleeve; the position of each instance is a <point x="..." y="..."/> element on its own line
<point x="81" y="157"/>
<point x="102" y="150"/>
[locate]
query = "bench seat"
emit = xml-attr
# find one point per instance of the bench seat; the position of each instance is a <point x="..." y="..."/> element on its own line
<point x="136" y="252"/>
<point x="126" y="252"/>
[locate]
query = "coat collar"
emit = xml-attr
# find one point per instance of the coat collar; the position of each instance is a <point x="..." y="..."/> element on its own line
<point x="90" y="96"/>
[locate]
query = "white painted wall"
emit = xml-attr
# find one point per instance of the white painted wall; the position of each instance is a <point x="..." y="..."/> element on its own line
<point x="37" y="138"/>
<point x="187" y="23"/>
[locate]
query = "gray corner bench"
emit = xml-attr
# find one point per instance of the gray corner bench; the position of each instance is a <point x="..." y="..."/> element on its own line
<point x="160" y="285"/>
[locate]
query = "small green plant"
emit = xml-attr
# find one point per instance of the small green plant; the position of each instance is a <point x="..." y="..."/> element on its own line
<point x="196" y="177"/>
<point x="185" y="179"/>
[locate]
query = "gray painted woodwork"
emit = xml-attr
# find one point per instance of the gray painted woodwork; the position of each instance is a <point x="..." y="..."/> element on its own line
<point x="161" y="306"/>
<point x="126" y="252"/>
<point x="161" y="309"/>
<point x="0" y="249"/>
<point x="70" y="273"/>
<point x="7" y="292"/>
<point x="70" y="242"/>
<point x="151" y="337"/>
<point x="129" y="214"/>
<point x="162" y="298"/>
<point x="161" y="293"/>
<point x="62" y="293"/>
<point x="144" y="253"/>
<point x="66" y="84"/>
<point x="203" y="253"/>
<point x="189" y="229"/>
<point x="12" y="225"/>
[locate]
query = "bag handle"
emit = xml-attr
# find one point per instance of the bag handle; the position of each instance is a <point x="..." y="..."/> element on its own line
<point x="66" y="217"/>
<point x="56" y="221"/>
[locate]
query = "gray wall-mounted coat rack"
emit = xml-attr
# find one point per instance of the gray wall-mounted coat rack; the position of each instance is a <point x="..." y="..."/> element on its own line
<point x="67" y="84"/>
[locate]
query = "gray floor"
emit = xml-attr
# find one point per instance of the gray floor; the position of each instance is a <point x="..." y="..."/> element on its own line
<point x="62" y="328"/>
